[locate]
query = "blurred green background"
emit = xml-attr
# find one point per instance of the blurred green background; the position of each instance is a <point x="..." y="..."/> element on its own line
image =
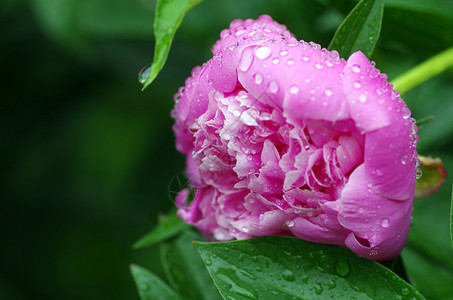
<point x="88" y="158"/>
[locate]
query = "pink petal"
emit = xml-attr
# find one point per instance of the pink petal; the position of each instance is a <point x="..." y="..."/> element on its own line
<point x="376" y="223"/>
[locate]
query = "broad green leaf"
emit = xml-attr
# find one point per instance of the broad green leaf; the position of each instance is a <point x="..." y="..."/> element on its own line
<point x="168" y="17"/>
<point x="168" y="226"/>
<point x="432" y="176"/>
<point x="290" y="268"/>
<point x="151" y="287"/>
<point x="185" y="269"/>
<point x="360" y="30"/>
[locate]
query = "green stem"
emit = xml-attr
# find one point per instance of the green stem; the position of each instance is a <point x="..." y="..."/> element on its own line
<point x="424" y="71"/>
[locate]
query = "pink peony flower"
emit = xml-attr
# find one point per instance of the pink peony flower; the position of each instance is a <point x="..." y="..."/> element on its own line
<point x="285" y="138"/>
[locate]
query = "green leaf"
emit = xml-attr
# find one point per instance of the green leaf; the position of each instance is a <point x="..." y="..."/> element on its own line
<point x="181" y="261"/>
<point x="168" y="17"/>
<point x="360" y="30"/>
<point x="289" y="268"/>
<point x="151" y="287"/>
<point x="168" y="226"/>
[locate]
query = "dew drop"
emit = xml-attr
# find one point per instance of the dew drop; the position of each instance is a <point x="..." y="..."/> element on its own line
<point x="328" y="92"/>
<point x="246" y="60"/>
<point x="405" y="291"/>
<point x="419" y="173"/>
<point x="208" y="262"/>
<point x="356" y="68"/>
<point x="144" y="73"/>
<point x="331" y="284"/>
<point x="290" y="62"/>
<point x="263" y="52"/>
<point x="318" y="66"/>
<point x="294" y="89"/>
<point x="385" y="222"/>
<point x="305" y="58"/>
<point x="357" y="85"/>
<point x="283" y="53"/>
<point x="288" y="275"/>
<point x="318" y="289"/>
<point x="275" y="61"/>
<point x="290" y="223"/>
<point x="404" y="159"/>
<point x="329" y="64"/>
<point x="342" y="268"/>
<point x="273" y="86"/>
<point x="258" y="78"/>
<point x="248" y="274"/>
<point x="362" y="98"/>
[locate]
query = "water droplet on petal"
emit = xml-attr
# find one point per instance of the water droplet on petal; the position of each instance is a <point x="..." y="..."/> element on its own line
<point x="419" y="173"/>
<point x="329" y="64"/>
<point x="290" y="223"/>
<point x="318" y="66"/>
<point x="246" y="60"/>
<point x="357" y="85"/>
<point x="328" y="92"/>
<point x="263" y="52"/>
<point x="290" y="62"/>
<point x="404" y="159"/>
<point x="275" y="61"/>
<point x="305" y="58"/>
<point x="362" y="98"/>
<point x="385" y="222"/>
<point x="356" y="68"/>
<point x="283" y="53"/>
<point x="258" y="78"/>
<point x="273" y="86"/>
<point x="144" y="73"/>
<point x="294" y="89"/>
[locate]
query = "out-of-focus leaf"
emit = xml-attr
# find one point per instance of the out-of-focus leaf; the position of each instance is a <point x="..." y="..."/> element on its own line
<point x="185" y="269"/>
<point x="290" y="268"/>
<point x="428" y="255"/>
<point x="429" y="276"/>
<point x="436" y="92"/>
<point x="151" y="287"/>
<point x="433" y="175"/>
<point x="360" y="30"/>
<point x="168" y="226"/>
<point x="417" y="33"/>
<point x="451" y="220"/>
<point x="424" y="71"/>
<point x="168" y="17"/>
<point x="73" y="23"/>
<point x="436" y="7"/>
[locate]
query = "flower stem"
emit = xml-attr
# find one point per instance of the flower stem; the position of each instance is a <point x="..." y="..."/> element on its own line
<point x="424" y="71"/>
